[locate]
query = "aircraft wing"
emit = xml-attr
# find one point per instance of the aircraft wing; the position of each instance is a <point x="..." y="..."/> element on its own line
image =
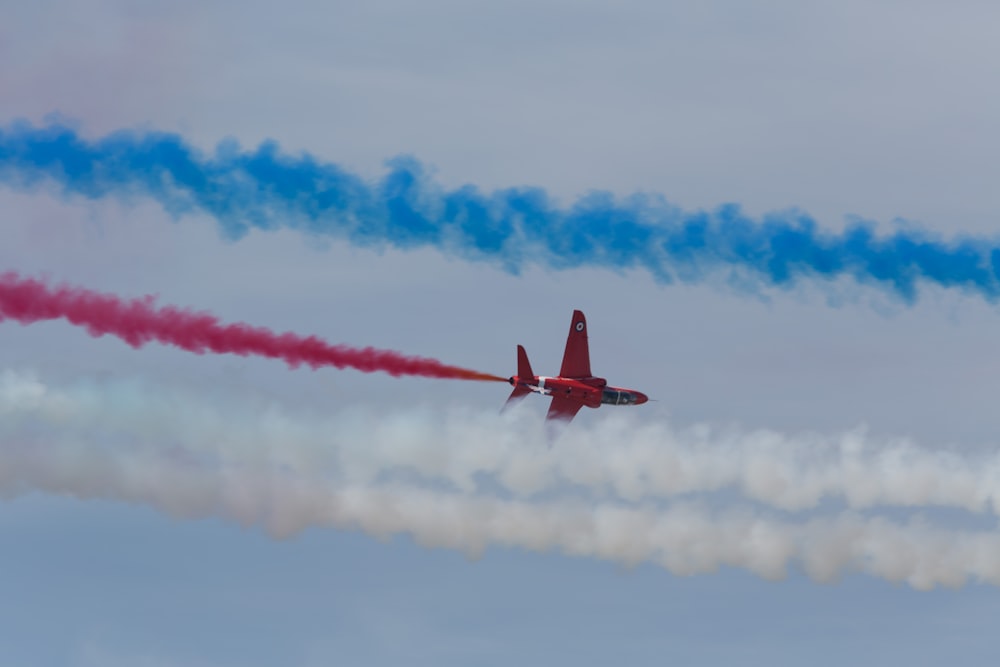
<point x="563" y="409"/>
<point x="576" y="359"/>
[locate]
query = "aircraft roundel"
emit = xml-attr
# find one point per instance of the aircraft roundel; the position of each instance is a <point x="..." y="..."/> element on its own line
<point x="579" y="326"/>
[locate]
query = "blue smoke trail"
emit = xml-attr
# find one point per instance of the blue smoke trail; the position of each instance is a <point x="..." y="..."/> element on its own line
<point x="266" y="189"/>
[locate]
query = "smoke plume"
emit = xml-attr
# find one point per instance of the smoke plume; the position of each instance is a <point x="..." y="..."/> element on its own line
<point x="139" y="321"/>
<point x="622" y="492"/>
<point x="265" y="188"/>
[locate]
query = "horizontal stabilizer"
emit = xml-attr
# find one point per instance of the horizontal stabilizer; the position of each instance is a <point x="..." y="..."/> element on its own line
<point x="515" y="397"/>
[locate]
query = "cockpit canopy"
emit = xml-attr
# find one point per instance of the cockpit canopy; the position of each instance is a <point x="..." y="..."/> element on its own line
<point x="618" y="397"/>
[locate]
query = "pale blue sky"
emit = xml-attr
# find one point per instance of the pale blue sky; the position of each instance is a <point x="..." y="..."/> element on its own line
<point x="846" y="108"/>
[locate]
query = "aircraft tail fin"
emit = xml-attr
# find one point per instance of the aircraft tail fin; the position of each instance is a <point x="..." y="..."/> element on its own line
<point x="523" y="365"/>
<point x="524" y="373"/>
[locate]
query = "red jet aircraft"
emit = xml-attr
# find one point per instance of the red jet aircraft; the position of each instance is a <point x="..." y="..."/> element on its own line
<point x="575" y="387"/>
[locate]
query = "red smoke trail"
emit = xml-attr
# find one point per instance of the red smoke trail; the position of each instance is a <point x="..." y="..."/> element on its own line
<point x="139" y="321"/>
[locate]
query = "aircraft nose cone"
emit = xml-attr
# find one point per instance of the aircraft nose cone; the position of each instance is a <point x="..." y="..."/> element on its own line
<point x="640" y="398"/>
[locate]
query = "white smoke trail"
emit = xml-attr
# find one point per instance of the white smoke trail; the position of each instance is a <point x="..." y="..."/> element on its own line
<point x="615" y="457"/>
<point x="178" y="454"/>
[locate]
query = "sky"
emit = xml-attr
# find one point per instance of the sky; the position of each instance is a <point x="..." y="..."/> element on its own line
<point x="816" y="479"/>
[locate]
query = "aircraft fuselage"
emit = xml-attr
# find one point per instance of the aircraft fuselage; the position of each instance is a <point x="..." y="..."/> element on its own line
<point x="591" y="392"/>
